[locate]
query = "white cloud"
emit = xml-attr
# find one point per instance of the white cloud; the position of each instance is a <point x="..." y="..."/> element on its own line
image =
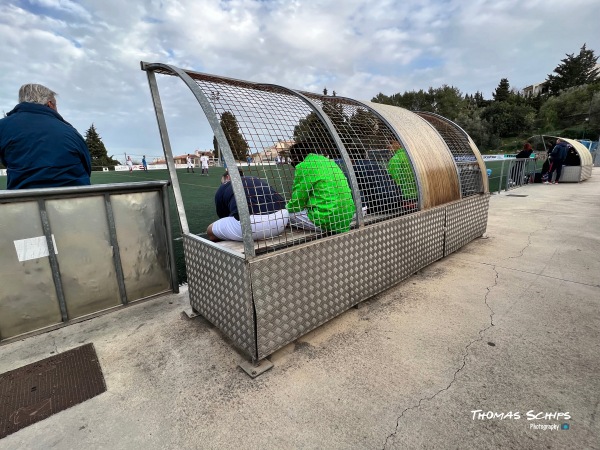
<point x="89" y="51"/>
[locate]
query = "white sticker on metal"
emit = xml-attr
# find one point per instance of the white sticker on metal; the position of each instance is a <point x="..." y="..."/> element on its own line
<point x="33" y="248"/>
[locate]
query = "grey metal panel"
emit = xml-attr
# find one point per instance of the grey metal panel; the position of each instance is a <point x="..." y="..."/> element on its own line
<point x="142" y="239"/>
<point x="570" y="174"/>
<point x="85" y="254"/>
<point x="220" y="290"/>
<point x="297" y="290"/>
<point x="465" y="221"/>
<point x="39" y="307"/>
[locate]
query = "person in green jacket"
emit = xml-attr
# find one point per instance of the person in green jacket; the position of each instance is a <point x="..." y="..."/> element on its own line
<point x="321" y="197"/>
<point x="400" y="169"/>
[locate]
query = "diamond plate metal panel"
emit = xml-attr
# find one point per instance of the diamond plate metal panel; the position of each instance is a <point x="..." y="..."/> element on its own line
<point x="297" y="290"/>
<point x="571" y="174"/>
<point x="465" y="221"/>
<point x="220" y="290"/>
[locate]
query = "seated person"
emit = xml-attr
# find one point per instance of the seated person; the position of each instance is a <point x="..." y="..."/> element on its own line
<point x="517" y="172"/>
<point x="400" y="169"/>
<point x="526" y="152"/>
<point x="378" y="191"/>
<point x="268" y="216"/>
<point x="321" y="197"/>
<point x="572" y="158"/>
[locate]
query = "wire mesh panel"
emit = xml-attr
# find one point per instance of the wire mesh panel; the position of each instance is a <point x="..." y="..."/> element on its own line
<point x="385" y="176"/>
<point x="293" y="173"/>
<point x="469" y="171"/>
<point x="261" y="124"/>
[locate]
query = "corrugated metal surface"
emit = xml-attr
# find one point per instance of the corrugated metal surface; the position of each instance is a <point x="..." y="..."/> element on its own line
<point x="428" y="151"/>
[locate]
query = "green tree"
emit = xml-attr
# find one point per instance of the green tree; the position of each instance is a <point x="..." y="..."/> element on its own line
<point x="312" y="130"/>
<point x="575" y="70"/>
<point x="446" y="101"/>
<point x="97" y="149"/>
<point x="507" y="119"/>
<point x="480" y="130"/>
<point x="237" y="143"/>
<point x="573" y="112"/>
<point x="502" y="92"/>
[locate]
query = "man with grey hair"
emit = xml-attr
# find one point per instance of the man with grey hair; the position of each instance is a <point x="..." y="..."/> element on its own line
<point x="38" y="147"/>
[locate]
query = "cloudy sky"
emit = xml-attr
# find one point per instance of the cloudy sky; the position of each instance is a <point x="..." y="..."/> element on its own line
<point x="89" y="51"/>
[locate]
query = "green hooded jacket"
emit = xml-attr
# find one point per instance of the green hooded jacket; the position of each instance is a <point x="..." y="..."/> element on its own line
<point x="401" y="171"/>
<point x="321" y="188"/>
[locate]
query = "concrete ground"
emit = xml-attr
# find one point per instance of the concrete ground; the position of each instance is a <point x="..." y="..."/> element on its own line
<point x="510" y="323"/>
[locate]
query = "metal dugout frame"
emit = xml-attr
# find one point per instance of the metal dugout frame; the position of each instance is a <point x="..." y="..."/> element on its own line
<point x="316" y="281"/>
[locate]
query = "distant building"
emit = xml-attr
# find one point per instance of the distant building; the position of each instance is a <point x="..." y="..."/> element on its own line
<point x="210" y="153"/>
<point x="535" y="89"/>
<point x="540" y="88"/>
<point x="280" y="148"/>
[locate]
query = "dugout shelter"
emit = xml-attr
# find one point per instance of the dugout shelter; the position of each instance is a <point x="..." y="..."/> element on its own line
<point x="410" y="207"/>
<point x="579" y="162"/>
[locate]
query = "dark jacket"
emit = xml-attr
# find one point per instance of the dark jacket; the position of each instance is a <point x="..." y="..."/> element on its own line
<point x="524" y="154"/>
<point x="40" y="149"/>
<point x="261" y="198"/>
<point x="378" y="191"/>
<point x="559" y="152"/>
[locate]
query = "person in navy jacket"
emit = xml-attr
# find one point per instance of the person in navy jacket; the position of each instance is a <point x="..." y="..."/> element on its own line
<point x="38" y="147"/>
<point x="268" y="216"/>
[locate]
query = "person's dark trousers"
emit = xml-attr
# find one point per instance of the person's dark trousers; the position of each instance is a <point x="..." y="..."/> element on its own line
<point x="556" y="166"/>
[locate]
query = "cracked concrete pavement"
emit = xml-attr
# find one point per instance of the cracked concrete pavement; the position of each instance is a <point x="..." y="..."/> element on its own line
<point x="510" y="323"/>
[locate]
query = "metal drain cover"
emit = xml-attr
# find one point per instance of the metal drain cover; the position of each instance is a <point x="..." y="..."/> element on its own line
<point x="36" y="391"/>
<point x="516" y="195"/>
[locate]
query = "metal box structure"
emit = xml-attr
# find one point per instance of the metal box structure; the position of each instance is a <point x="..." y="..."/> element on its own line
<point x="72" y="252"/>
<point x="264" y="294"/>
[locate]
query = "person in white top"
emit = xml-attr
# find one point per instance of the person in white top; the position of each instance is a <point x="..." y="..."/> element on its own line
<point x="130" y="164"/>
<point x="190" y="164"/>
<point x="204" y="164"/>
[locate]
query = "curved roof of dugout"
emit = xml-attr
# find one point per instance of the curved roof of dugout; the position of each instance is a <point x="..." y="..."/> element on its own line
<point x="447" y="165"/>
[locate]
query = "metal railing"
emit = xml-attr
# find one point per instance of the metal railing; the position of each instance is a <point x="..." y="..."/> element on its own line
<point x="512" y="173"/>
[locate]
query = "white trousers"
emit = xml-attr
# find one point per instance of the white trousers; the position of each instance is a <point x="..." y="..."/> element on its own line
<point x="264" y="226"/>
